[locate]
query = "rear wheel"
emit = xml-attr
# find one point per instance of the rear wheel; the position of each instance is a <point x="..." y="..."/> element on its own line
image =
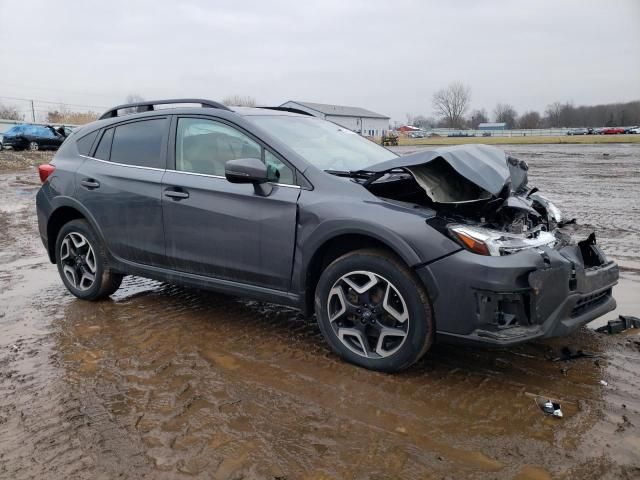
<point x="373" y="311"/>
<point x="82" y="262"/>
<point x="33" y="146"/>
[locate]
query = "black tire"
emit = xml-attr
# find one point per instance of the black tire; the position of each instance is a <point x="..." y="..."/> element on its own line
<point x="105" y="282"/>
<point x="384" y="266"/>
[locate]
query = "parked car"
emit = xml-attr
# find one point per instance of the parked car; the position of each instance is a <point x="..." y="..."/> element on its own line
<point x="612" y="131"/>
<point x="633" y="129"/>
<point x="578" y="131"/>
<point x="417" y="134"/>
<point x="33" y="137"/>
<point x="392" y="253"/>
<point x="462" y="133"/>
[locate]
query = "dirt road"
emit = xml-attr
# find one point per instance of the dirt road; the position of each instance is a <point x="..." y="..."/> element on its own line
<point x="166" y="382"/>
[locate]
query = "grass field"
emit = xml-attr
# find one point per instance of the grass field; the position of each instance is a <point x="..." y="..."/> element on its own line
<point x="565" y="139"/>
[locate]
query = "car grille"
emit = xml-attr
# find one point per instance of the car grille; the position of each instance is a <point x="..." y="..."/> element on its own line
<point x="590" y="301"/>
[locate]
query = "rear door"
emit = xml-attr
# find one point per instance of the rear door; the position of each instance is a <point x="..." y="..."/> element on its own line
<point x="120" y="185"/>
<point x="219" y="229"/>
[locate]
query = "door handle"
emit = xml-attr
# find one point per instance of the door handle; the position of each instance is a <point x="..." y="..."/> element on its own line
<point x="89" y="183"/>
<point x="176" y="195"/>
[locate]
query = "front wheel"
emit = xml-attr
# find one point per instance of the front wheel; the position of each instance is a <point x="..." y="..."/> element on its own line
<point x="82" y="262"/>
<point x="373" y="311"/>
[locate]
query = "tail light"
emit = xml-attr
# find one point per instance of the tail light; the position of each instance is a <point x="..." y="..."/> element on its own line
<point x="45" y="171"/>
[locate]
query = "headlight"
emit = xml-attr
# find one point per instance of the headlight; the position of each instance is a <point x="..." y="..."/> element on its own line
<point x="553" y="211"/>
<point x="485" y="241"/>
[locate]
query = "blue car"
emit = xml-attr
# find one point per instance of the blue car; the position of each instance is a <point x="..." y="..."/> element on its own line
<point x="34" y="137"/>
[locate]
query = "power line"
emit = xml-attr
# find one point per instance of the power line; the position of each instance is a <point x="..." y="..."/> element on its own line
<point x="54" y="103"/>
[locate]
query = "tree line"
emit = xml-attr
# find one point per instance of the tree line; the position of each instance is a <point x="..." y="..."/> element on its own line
<point x="451" y="106"/>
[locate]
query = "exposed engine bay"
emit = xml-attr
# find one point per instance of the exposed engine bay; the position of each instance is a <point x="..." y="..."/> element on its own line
<point x="480" y="194"/>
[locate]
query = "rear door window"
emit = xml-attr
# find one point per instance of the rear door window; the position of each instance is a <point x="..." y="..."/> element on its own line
<point x="140" y="143"/>
<point x="104" y="147"/>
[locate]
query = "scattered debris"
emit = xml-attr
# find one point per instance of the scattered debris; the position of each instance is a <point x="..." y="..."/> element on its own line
<point x="604" y="383"/>
<point x="570" y="353"/>
<point x="620" y="324"/>
<point x="548" y="406"/>
<point x="552" y="408"/>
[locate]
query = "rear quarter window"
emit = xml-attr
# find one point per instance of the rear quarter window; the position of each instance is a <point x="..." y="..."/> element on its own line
<point x="84" y="144"/>
<point x="140" y="143"/>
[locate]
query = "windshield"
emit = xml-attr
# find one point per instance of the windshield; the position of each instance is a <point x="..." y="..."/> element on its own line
<point x="323" y="144"/>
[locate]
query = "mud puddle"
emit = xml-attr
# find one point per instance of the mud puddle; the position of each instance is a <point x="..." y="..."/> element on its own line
<point x="165" y="382"/>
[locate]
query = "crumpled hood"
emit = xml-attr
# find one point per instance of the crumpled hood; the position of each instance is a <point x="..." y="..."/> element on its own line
<point x="486" y="167"/>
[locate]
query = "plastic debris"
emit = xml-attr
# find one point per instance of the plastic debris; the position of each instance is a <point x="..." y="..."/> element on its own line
<point x="552" y="408"/>
<point x="620" y="324"/>
<point x="570" y="353"/>
<point x="548" y="406"/>
<point x="603" y="383"/>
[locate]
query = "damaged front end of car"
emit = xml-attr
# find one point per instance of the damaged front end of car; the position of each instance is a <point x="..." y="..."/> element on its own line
<point x="519" y="274"/>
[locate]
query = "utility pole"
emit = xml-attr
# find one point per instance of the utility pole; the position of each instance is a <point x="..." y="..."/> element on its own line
<point x="33" y="112"/>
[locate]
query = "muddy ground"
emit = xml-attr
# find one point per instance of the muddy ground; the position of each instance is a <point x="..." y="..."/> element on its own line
<point x="166" y="382"/>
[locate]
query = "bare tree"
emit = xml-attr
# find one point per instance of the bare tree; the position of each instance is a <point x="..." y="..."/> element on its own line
<point x="505" y="113"/>
<point x="133" y="98"/>
<point x="478" y="117"/>
<point x="239" y="101"/>
<point x="553" y="114"/>
<point x="421" y="121"/>
<point x="451" y="103"/>
<point x="10" y="113"/>
<point x="530" y="120"/>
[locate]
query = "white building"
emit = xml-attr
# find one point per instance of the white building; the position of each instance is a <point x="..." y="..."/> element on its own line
<point x="358" y="119"/>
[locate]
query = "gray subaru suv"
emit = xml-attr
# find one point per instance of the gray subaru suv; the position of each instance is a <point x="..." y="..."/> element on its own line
<point x="390" y="253"/>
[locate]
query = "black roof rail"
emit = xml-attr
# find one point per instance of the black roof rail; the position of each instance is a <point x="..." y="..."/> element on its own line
<point x="288" y="109"/>
<point x="147" y="106"/>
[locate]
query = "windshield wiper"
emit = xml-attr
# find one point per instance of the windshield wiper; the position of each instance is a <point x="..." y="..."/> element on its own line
<point x="350" y="174"/>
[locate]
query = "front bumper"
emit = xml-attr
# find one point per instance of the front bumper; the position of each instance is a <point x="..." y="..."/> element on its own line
<point x="504" y="301"/>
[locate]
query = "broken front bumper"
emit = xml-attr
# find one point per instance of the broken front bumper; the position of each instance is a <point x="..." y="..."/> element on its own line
<point x="513" y="299"/>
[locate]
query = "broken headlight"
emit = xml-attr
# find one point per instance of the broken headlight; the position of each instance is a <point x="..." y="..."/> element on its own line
<point x="553" y="211"/>
<point x="485" y="241"/>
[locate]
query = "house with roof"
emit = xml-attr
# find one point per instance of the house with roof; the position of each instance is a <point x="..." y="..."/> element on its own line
<point x="360" y="120"/>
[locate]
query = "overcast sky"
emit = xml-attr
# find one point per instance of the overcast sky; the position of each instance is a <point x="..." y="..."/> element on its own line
<point x="387" y="56"/>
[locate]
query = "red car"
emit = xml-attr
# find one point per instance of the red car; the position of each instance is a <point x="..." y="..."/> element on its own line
<point x="612" y="131"/>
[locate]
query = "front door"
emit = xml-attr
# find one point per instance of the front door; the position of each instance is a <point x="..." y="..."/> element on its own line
<point x="219" y="229"/>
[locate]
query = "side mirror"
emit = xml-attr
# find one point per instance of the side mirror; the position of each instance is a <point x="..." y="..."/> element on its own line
<point x="248" y="170"/>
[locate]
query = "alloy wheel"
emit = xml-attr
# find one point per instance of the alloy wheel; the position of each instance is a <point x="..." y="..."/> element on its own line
<point x="78" y="261"/>
<point x="34" y="146"/>
<point x="368" y="314"/>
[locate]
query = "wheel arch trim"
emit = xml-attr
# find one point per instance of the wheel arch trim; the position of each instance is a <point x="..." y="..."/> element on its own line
<point x="64" y="203"/>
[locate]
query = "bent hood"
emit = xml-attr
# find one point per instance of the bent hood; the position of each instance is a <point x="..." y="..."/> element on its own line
<point x="487" y="168"/>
